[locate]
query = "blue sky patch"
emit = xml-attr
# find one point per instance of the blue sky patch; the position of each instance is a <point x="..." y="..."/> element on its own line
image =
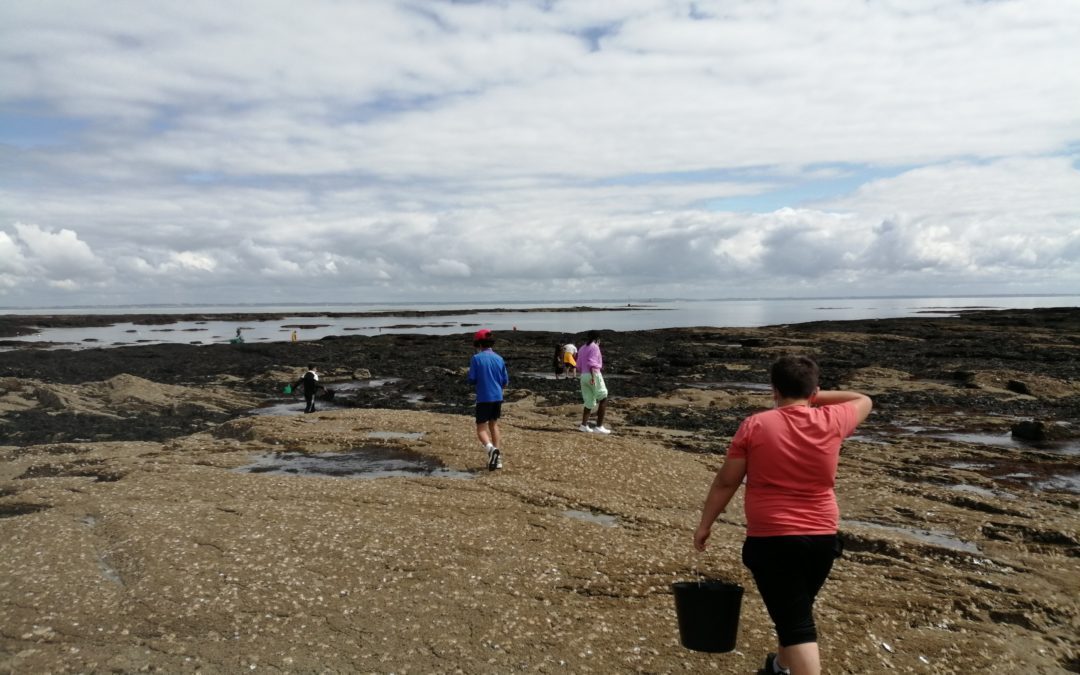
<point x="32" y="129"/>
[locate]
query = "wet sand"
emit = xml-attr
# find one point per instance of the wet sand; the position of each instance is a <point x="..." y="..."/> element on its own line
<point x="138" y="536"/>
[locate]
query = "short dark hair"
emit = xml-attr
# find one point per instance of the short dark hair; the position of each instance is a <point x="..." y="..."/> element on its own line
<point x="794" y="376"/>
<point x="592" y="336"/>
<point x="311" y="366"/>
<point x="486" y="343"/>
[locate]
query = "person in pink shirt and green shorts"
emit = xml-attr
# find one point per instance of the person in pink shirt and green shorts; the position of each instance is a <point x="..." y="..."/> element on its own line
<point x="593" y="390"/>
<point x="788" y="456"/>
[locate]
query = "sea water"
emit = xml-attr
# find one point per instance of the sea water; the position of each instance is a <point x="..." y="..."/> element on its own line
<point x="501" y="317"/>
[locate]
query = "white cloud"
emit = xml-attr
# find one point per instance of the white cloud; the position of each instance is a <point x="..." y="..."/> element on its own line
<point x="447" y="268"/>
<point x="189" y="260"/>
<point x="11" y="258"/>
<point x="544" y="148"/>
<point x="58" y="259"/>
<point x="1014" y="214"/>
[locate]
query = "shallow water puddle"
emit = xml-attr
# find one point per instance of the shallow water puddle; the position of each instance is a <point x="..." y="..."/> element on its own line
<point x="1067" y="482"/>
<point x="974" y="466"/>
<point x="872" y="440"/>
<point x="592" y="517"/>
<point x="996" y="440"/>
<point x="356" y="385"/>
<point x="980" y="491"/>
<point x="291" y="408"/>
<point x="546" y="376"/>
<point x="1034" y="475"/>
<point x="1063" y="482"/>
<point x="1007" y="441"/>
<point x="363" y="462"/>
<point x="942" y="539"/>
<point x="404" y="435"/>
<point x="748" y="386"/>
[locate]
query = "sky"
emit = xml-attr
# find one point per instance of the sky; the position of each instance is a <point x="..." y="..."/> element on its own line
<point x="428" y="150"/>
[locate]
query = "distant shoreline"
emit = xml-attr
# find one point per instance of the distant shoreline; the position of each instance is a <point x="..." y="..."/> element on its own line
<point x="17" y="325"/>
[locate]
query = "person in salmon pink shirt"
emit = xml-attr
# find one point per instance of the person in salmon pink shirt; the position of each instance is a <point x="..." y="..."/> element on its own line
<point x="788" y="456"/>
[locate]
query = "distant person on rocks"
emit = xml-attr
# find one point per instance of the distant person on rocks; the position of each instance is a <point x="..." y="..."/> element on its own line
<point x="564" y="359"/>
<point x="487" y="372"/>
<point x="310" y="383"/>
<point x="788" y="456"/>
<point x="594" y="393"/>
<point x="294" y="336"/>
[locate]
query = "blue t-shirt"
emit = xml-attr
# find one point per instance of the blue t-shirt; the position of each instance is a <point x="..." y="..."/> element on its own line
<point x="487" y="371"/>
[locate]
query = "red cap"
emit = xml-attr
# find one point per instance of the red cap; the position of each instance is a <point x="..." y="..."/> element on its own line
<point x="482" y="334"/>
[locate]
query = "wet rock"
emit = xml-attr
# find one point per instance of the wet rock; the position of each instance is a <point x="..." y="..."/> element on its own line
<point x="1017" y="618"/>
<point x="1018" y="387"/>
<point x="1041" y="430"/>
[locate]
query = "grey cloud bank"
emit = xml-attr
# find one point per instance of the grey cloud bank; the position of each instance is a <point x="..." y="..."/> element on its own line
<point x="390" y="151"/>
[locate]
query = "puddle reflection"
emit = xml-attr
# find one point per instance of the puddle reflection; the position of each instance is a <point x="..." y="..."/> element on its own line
<point x="942" y="539"/>
<point x="981" y="491"/>
<point x="592" y="517"/>
<point x="748" y="386"/>
<point x="292" y="408"/>
<point x="404" y="435"/>
<point x="357" y="385"/>
<point x="364" y="462"/>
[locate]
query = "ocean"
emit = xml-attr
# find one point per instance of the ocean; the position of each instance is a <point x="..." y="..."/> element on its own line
<point x="641" y="315"/>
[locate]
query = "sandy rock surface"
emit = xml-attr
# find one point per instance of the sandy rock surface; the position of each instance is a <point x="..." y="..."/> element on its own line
<point x="185" y="554"/>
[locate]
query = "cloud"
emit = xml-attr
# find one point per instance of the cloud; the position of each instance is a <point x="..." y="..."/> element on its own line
<point x="447" y="268"/>
<point x="536" y="149"/>
<point x="11" y="256"/>
<point x="58" y="259"/>
<point x="958" y="223"/>
<point x="1018" y="214"/>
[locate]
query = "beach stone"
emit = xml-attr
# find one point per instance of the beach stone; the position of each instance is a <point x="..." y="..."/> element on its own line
<point x="1018" y="387"/>
<point x="1041" y="430"/>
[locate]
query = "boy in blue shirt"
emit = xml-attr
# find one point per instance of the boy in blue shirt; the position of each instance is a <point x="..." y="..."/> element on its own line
<point x="487" y="371"/>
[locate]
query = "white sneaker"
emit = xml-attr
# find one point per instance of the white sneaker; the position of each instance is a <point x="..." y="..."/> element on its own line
<point x="586" y="428"/>
<point x="602" y="430"/>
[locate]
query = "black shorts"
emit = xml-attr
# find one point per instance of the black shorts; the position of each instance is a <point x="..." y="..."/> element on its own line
<point x="789" y="572"/>
<point x="488" y="411"/>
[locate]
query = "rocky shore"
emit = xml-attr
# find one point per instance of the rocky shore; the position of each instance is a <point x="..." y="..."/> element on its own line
<point x="151" y="521"/>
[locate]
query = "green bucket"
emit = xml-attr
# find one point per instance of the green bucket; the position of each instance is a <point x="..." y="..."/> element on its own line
<point x="288" y="389"/>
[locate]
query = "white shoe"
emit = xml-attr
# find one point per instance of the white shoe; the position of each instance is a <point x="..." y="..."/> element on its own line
<point x="602" y="430"/>
<point x="586" y="428"/>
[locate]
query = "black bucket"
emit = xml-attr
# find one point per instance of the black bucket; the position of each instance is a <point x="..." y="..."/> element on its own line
<point x="708" y="612"/>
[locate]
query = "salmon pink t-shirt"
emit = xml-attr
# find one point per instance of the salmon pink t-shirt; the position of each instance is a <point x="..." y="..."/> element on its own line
<point x="791" y="456"/>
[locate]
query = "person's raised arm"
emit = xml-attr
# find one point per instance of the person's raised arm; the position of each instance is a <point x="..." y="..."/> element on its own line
<point x="862" y="402"/>
<point x="723" y="488"/>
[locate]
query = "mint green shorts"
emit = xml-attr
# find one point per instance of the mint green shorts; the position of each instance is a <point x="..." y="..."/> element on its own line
<point x="591" y="393"/>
